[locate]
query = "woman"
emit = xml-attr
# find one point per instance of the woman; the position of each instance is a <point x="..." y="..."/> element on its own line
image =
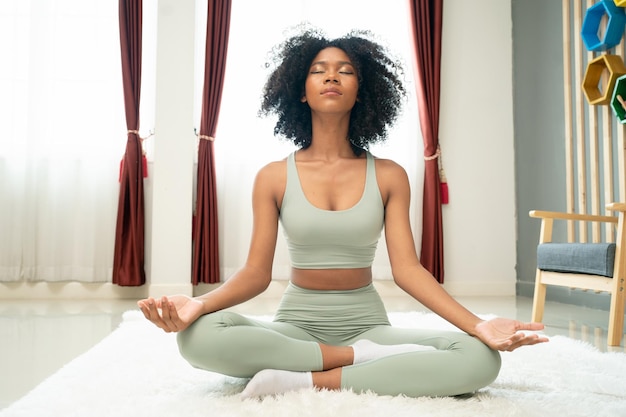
<point x="333" y="98"/>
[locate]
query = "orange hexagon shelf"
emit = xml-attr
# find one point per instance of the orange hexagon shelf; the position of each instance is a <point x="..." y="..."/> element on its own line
<point x="597" y="87"/>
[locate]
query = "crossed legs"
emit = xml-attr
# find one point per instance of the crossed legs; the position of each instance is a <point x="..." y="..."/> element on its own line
<point x="396" y="363"/>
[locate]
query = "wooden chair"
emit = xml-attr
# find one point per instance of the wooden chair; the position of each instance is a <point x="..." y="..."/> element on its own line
<point x="597" y="266"/>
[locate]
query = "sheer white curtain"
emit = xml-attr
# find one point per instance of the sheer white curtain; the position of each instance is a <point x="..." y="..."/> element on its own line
<point x="62" y="133"/>
<point x="245" y="142"/>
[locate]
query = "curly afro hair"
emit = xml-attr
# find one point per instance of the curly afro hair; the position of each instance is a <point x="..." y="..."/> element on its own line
<point x="380" y="97"/>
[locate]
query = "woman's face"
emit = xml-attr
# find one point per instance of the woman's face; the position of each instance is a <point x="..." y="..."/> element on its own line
<point x="332" y="83"/>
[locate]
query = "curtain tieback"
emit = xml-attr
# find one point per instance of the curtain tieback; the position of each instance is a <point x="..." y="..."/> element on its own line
<point x="436" y="155"/>
<point x="144" y="159"/>
<point x="136" y="132"/>
<point x="205" y="137"/>
<point x="443" y="181"/>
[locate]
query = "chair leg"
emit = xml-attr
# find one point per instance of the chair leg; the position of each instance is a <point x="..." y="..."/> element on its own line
<point x="539" y="299"/>
<point x="616" y="318"/>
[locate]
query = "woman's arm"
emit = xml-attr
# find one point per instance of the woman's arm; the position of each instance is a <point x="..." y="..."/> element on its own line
<point x="178" y="312"/>
<point x="256" y="274"/>
<point x="408" y="272"/>
<point x="413" y="278"/>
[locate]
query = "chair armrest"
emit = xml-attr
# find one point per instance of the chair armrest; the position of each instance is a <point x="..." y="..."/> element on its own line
<point x="539" y="214"/>
<point x="616" y="207"/>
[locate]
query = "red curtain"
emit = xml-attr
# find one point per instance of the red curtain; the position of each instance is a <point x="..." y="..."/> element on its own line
<point x="205" y="266"/>
<point x="128" y="260"/>
<point x="426" y="21"/>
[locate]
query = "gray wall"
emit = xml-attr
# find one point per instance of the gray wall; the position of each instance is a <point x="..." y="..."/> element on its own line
<point x="539" y="136"/>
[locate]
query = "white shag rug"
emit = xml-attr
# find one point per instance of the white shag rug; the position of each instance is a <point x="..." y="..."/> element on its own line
<point x="137" y="371"/>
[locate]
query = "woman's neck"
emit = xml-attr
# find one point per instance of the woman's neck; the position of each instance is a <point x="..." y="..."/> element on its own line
<point x="330" y="137"/>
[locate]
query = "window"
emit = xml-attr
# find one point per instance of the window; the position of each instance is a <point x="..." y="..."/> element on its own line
<point x="62" y="134"/>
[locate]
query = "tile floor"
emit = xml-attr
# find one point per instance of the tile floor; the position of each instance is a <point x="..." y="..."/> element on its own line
<point x="39" y="337"/>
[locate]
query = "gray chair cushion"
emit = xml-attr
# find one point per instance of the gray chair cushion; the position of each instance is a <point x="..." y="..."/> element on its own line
<point x="582" y="258"/>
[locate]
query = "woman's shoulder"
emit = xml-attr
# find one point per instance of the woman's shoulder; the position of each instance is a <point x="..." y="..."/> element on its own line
<point x="274" y="172"/>
<point x="274" y="167"/>
<point x="388" y="167"/>
<point x="392" y="178"/>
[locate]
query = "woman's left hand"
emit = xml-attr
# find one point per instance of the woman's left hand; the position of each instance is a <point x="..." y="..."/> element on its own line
<point x="508" y="335"/>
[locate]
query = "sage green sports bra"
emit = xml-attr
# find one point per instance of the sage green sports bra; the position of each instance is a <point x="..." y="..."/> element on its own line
<point x="326" y="239"/>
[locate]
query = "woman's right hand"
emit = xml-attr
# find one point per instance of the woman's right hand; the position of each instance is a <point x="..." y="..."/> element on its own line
<point x="172" y="314"/>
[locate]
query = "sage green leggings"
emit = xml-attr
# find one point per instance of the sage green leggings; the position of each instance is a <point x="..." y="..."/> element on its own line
<point x="238" y="346"/>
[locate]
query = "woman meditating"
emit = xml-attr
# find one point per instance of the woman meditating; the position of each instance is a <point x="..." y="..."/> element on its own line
<point x="334" y="98"/>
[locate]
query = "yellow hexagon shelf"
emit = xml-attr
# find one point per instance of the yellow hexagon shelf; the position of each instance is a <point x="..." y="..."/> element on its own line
<point x="620" y="3"/>
<point x="600" y="77"/>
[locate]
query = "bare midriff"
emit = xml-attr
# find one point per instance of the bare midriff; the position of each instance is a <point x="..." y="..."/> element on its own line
<point x="331" y="279"/>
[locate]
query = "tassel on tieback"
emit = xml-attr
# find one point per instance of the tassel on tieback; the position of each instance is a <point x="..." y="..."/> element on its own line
<point x="443" y="181"/>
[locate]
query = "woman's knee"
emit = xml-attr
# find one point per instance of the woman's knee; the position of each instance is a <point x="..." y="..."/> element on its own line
<point x="486" y="363"/>
<point x="199" y="344"/>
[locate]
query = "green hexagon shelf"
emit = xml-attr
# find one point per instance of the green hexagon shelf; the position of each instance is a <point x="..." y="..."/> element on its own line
<point x="618" y="99"/>
<point x="598" y="89"/>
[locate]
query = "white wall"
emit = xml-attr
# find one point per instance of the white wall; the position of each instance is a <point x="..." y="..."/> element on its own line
<point x="170" y="203"/>
<point x="476" y="136"/>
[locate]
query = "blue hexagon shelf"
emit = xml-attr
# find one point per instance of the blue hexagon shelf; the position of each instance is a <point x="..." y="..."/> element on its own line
<point x="593" y="39"/>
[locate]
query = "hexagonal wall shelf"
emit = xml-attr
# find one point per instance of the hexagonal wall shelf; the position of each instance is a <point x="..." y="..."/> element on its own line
<point x="618" y="99"/>
<point x="598" y="89"/>
<point x="594" y="36"/>
<point x="620" y="3"/>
